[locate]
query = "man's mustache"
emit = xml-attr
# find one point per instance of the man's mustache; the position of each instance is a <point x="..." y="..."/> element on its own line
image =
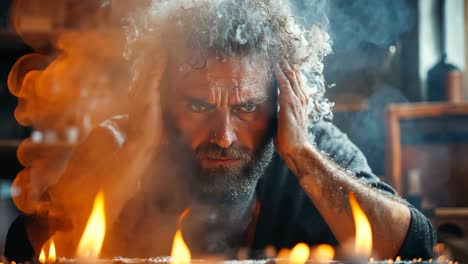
<point x="213" y="151"/>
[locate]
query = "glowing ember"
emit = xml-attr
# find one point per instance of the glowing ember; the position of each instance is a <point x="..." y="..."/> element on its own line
<point x="363" y="243"/>
<point x="91" y="242"/>
<point x="42" y="257"/>
<point x="270" y="251"/>
<point x="180" y="252"/>
<point x="52" y="255"/>
<point x="283" y="255"/>
<point x="299" y="254"/>
<point x="323" y="253"/>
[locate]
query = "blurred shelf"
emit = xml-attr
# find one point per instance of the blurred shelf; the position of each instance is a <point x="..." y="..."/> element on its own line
<point x="427" y="109"/>
<point x="14" y="143"/>
<point x="452" y="211"/>
<point x="8" y="151"/>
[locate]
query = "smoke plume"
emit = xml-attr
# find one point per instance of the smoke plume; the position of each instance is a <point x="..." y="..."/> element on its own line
<point x="91" y="96"/>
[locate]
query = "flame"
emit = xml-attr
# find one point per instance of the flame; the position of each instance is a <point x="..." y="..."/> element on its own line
<point x="93" y="237"/>
<point x="323" y="253"/>
<point x="363" y="243"/>
<point x="52" y="255"/>
<point x="42" y="257"/>
<point x="180" y="252"/>
<point x="299" y="254"/>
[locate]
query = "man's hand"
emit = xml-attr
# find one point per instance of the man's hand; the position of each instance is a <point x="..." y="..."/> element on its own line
<point x="112" y="159"/>
<point x="292" y="117"/>
<point x="145" y="107"/>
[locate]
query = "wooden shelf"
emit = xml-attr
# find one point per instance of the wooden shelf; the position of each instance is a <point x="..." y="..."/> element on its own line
<point x="422" y="110"/>
<point x="10" y="143"/>
<point x="8" y="146"/>
<point x="451" y="211"/>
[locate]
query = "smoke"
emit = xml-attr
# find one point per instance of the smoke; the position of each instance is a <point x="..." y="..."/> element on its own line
<point x="91" y="94"/>
<point x="79" y="80"/>
<point x="362" y="22"/>
<point x="352" y="24"/>
<point x="361" y="31"/>
<point x="366" y="37"/>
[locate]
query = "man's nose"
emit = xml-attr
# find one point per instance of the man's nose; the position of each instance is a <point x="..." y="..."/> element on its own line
<point x="223" y="133"/>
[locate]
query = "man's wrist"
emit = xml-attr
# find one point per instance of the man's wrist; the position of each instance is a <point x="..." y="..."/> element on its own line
<point x="301" y="159"/>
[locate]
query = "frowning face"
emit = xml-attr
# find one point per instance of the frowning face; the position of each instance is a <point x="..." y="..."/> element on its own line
<point x="224" y="114"/>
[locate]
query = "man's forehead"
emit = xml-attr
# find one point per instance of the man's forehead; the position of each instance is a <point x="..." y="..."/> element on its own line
<point x="238" y="73"/>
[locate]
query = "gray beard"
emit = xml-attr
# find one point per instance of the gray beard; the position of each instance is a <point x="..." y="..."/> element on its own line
<point x="221" y="200"/>
<point x="226" y="185"/>
<point x="223" y="185"/>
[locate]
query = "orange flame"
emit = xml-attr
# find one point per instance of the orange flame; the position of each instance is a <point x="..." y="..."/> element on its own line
<point x="52" y="257"/>
<point x="93" y="237"/>
<point x="52" y="254"/>
<point x="299" y="254"/>
<point x="323" y="253"/>
<point x="363" y="243"/>
<point x="180" y="252"/>
<point x="42" y="257"/>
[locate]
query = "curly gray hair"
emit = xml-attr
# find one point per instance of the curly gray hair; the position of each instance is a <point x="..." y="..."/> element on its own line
<point x="265" y="28"/>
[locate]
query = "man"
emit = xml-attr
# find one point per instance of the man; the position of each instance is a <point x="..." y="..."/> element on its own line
<point x="231" y="130"/>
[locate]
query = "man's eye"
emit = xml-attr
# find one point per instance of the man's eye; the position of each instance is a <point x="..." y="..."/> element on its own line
<point x="248" y="108"/>
<point x="198" y="107"/>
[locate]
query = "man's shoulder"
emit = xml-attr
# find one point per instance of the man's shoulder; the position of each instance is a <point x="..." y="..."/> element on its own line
<point x="325" y="131"/>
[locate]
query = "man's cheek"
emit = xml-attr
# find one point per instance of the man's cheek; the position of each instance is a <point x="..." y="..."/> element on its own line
<point x="194" y="135"/>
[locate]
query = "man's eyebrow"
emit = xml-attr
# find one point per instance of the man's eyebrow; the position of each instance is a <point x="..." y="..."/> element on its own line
<point x="195" y="100"/>
<point x="257" y="100"/>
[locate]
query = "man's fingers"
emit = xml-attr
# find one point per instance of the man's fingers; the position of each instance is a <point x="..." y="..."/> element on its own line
<point x="283" y="82"/>
<point x="302" y="88"/>
<point x="293" y="80"/>
<point x="145" y="104"/>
